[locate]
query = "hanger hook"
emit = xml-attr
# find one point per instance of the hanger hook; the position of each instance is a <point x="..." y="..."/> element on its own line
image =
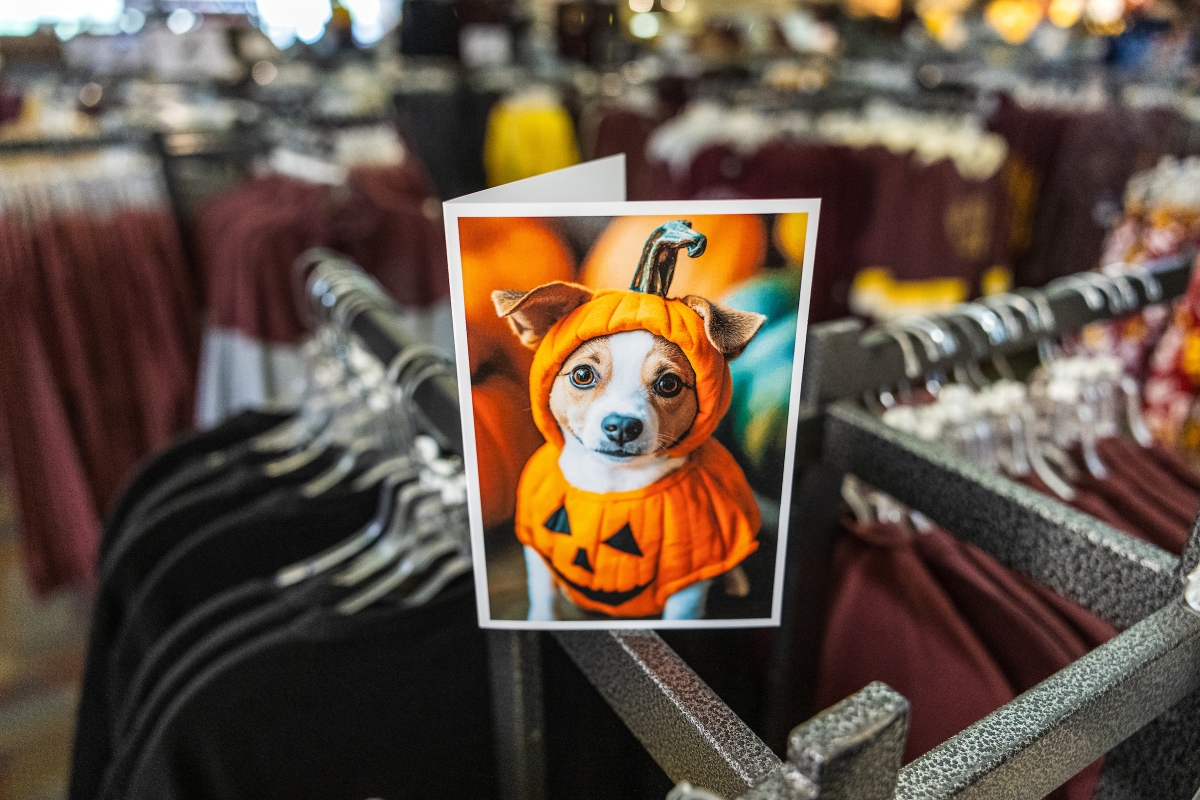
<point x="1092" y="296"/>
<point x="912" y="365"/>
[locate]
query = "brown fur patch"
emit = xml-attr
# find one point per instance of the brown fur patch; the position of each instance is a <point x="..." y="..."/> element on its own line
<point x="531" y="314"/>
<point x="569" y="404"/>
<point x="675" y="414"/>
<point x="729" y="330"/>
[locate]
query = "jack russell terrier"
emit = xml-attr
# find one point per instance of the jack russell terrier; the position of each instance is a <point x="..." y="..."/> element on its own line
<point x="631" y="508"/>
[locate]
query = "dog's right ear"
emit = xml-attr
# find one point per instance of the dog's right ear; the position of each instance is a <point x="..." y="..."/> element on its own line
<point x="531" y="314"/>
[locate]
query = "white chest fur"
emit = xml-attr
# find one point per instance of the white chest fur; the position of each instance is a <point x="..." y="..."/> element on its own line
<point x="588" y="470"/>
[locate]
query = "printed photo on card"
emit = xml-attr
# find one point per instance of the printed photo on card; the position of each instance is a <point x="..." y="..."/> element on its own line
<point x="634" y="374"/>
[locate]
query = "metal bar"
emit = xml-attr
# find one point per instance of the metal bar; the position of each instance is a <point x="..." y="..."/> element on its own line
<point x="796" y="644"/>
<point x="841" y="361"/>
<point x="853" y="750"/>
<point x="435" y="401"/>
<point x="1037" y="742"/>
<point x="74" y="144"/>
<point x="1119" y="577"/>
<point x="374" y="321"/>
<point x="680" y="721"/>
<point x="1162" y="760"/>
<point x="518" y="720"/>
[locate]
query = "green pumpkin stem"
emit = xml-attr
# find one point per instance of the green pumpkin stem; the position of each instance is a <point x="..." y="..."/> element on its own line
<point x="656" y="268"/>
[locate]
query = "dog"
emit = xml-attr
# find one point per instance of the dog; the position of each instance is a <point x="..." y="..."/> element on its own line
<point x="631" y="508"/>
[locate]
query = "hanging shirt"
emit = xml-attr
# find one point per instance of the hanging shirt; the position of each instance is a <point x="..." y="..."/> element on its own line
<point x="890" y="620"/>
<point x="282" y="528"/>
<point x="132" y="556"/>
<point x="527" y="137"/>
<point x="402" y="693"/>
<point x="158" y="467"/>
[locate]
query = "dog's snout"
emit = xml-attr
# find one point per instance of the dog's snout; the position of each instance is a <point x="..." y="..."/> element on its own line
<point x="621" y="429"/>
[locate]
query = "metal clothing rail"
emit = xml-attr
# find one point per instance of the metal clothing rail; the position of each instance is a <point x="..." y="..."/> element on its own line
<point x="841" y="360"/>
<point x="1138" y="689"/>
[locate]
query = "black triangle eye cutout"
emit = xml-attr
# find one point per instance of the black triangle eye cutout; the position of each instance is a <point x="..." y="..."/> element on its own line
<point x="623" y="540"/>
<point x="559" y="522"/>
<point x="581" y="560"/>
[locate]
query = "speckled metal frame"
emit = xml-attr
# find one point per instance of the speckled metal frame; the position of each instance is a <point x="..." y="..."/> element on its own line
<point x="685" y="727"/>
<point x="1030" y="532"/>
<point x="852" y="750"/>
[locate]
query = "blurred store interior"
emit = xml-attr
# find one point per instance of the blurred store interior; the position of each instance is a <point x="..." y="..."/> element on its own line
<point x="163" y="163"/>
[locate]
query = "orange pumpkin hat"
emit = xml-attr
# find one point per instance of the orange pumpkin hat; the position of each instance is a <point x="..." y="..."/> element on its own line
<point x="625" y="553"/>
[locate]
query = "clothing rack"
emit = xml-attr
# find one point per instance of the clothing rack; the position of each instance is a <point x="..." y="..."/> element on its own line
<point x="1135" y="698"/>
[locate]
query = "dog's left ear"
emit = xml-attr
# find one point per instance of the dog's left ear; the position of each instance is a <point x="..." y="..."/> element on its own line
<point x="728" y="330"/>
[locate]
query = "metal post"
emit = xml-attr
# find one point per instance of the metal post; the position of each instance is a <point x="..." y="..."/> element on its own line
<point x="514" y="659"/>
<point x="853" y="750"/>
<point x="1162" y="760"/>
<point x="680" y="721"/>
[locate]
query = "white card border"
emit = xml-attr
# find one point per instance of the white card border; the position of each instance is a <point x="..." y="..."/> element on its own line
<point x="457" y="209"/>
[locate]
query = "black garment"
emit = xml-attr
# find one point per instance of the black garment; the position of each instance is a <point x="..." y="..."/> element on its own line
<point x="196" y="474"/>
<point x="137" y="721"/>
<point x="172" y="646"/>
<point x="133" y="556"/>
<point x="139" y="548"/>
<point x="161" y="465"/>
<point x="280" y="529"/>
<point x="389" y="703"/>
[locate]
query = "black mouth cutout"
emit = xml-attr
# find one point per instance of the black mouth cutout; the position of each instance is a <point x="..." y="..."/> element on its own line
<point x="617" y="453"/>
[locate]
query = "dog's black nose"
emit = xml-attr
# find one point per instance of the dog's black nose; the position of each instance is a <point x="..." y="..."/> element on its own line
<point x="621" y="429"/>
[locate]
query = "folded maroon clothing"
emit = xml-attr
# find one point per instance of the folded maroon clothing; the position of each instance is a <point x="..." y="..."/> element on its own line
<point x="1138" y="467"/>
<point x="890" y="620"/>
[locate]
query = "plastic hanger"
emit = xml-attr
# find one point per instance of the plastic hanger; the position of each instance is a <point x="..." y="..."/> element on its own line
<point x="399" y="490"/>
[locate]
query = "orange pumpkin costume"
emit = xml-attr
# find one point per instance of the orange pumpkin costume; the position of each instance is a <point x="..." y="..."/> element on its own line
<point x="625" y="553"/>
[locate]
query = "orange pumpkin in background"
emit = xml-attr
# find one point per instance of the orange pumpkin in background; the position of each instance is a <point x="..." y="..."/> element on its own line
<point x="505" y="438"/>
<point x="737" y="250"/>
<point x="505" y="253"/>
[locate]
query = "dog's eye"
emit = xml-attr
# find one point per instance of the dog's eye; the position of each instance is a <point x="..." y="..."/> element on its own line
<point x="668" y="385"/>
<point x="583" y="377"/>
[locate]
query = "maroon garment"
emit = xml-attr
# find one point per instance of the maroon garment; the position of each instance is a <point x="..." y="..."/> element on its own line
<point x="1173" y="463"/>
<point x="250" y="238"/>
<point x="1025" y="647"/>
<point x="1024" y="635"/>
<point x="623" y="130"/>
<point x="386" y="219"/>
<point x="59" y="526"/>
<point x="1090" y="504"/>
<point x="1096" y="156"/>
<point x="98" y="369"/>
<point x="1033" y="137"/>
<point x="785" y="169"/>
<point x="928" y="221"/>
<point x="889" y="620"/>
<point x="1150" y="521"/>
<point x="164" y="333"/>
<point x="1136" y="466"/>
<point x="1093" y="629"/>
<point x="892" y="180"/>
<point x="393" y="227"/>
